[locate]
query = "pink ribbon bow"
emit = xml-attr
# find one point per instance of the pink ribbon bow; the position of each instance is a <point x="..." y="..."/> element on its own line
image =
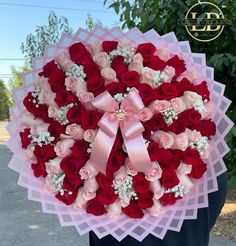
<point x="125" y="117"/>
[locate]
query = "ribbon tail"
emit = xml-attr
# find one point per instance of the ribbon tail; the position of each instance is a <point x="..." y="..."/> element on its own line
<point x="138" y="153"/>
<point x="101" y="150"/>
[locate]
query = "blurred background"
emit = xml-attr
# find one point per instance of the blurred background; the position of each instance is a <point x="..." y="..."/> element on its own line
<point x="28" y="26"/>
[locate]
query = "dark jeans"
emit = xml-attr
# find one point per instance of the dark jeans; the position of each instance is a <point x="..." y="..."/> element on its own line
<point x="193" y="232"/>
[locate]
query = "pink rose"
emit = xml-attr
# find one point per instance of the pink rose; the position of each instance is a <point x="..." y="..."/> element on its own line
<point x="169" y="72"/>
<point x="206" y="153"/>
<point x="137" y="59"/>
<point x="89" y="135"/>
<point x="165" y="139"/>
<point x="29" y="121"/>
<point x="164" y="53"/>
<point x="184" y="168"/>
<point x="148" y="73"/>
<point x="130" y="168"/>
<point x="52" y="111"/>
<point x="177" y="105"/>
<point x="35" y="130"/>
<point x="42" y="83"/>
<point x="124" y="203"/>
<point x="108" y="74"/>
<point x="46" y="96"/>
<point x="161" y="105"/>
<point x="71" y="83"/>
<point x="89" y="189"/>
<point x="189" y="98"/>
<point x="87" y="171"/>
<point x="156" y="208"/>
<point x="154" y="172"/>
<point x="75" y="131"/>
<point x="157" y="189"/>
<point x="29" y="153"/>
<point x="114" y="210"/>
<point x="53" y="166"/>
<point x="180" y="141"/>
<point x="102" y="59"/>
<point x="64" y="61"/>
<point x="145" y="114"/>
<point x="136" y="67"/>
<point x="186" y="182"/>
<point x="86" y="98"/>
<point x="194" y="136"/>
<point x="95" y="48"/>
<point x="80" y="202"/>
<point x="120" y="176"/>
<point x="62" y="147"/>
<point x="209" y="108"/>
<point x="189" y="75"/>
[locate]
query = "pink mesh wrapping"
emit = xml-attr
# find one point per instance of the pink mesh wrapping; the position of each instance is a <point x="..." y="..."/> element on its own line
<point x="173" y="216"/>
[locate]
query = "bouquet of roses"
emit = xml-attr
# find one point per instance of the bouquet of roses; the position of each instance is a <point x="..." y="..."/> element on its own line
<point x="120" y="126"/>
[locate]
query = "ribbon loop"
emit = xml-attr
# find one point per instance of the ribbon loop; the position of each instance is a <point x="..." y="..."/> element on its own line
<point x="125" y="117"/>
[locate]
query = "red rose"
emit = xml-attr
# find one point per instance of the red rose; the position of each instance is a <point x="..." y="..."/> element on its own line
<point x="146" y="93"/>
<point x="157" y="122"/>
<point x="183" y="85"/>
<point x="72" y="182"/>
<point x="44" y="153"/>
<point x="107" y="196"/>
<point x="205" y="127"/>
<point x="140" y="183"/>
<point x="146" y="50"/>
<point x="169" y="178"/>
<point x="119" y="66"/>
<point x="25" y="140"/>
<point x="49" y="69"/>
<point x="95" y="207"/>
<point x="71" y="166"/>
<point x="56" y="129"/>
<point x="190" y="156"/>
<point x="130" y="79"/>
<point x="153" y="149"/>
<point x="145" y="200"/>
<point x="39" y="111"/>
<point x="79" y="54"/>
<point x="64" y="98"/>
<point x="166" y="91"/>
<point x="147" y="130"/>
<point x="178" y="126"/>
<point x="96" y="84"/>
<point x="178" y="64"/>
<point x="168" y="199"/>
<point x="191" y="116"/>
<point x="118" y="142"/>
<point x="202" y="90"/>
<point x="109" y="46"/>
<point x="156" y="63"/>
<point x="39" y="169"/>
<point x="133" y="210"/>
<point x="80" y="149"/>
<point x="57" y="81"/>
<point x="114" y="88"/>
<point x="167" y="159"/>
<point x="104" y="181"/>
<point x="90" y="119"/>
<point x="68" y="197"/>
<point x="198" y="169"/>
<point x="92" y="69"/>
<point x="115" y="160"/>
<point x="74" y="114"/>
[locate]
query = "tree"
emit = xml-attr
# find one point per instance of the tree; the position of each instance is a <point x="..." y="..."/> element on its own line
<point x="34" y="44"/>
<point x="167" y="16"/>
<point x="4" y="101"/>
<point x="90" y="22"/>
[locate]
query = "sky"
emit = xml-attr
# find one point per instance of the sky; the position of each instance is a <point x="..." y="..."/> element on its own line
<point x="16" y="22"/>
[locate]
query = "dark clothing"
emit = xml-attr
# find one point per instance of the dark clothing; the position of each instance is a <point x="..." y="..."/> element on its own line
<point x="193" y="232"/>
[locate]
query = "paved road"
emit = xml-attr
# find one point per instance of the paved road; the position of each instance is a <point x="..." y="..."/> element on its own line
<point x="23" y="224"/>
